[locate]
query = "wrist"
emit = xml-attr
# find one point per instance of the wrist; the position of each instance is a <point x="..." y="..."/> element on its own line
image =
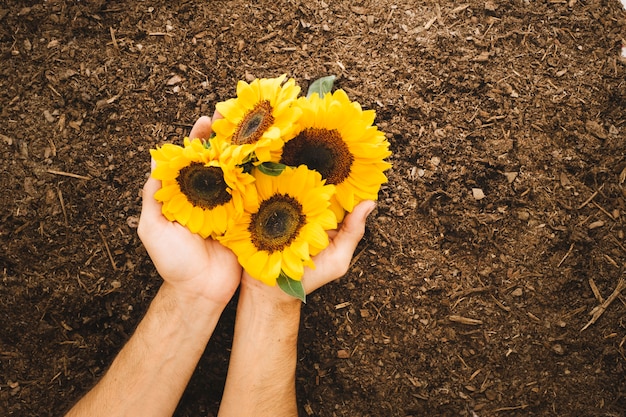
<point x="191" y="305"/>
<point x="268" y="300"/>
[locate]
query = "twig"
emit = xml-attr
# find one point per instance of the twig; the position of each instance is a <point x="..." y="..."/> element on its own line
<point x="266" y="37"/>
<point x="464" y="320"/>
<point x="566" y="255"/>
<point x="609" y="215"/>
<point x="595" y="290"/>
<point x="358" y="255"/>
<point x="112" y="32"/>
<point x="499" y="304"/>
<point x="587" y="201"/>
<point x="68" y="174"/>
<point x="522" y="406"/>
<point x="464" y="293"/>
<point x="599" y="310"/>
<point x="60" y="194"/>
<point x="106" y="246"/>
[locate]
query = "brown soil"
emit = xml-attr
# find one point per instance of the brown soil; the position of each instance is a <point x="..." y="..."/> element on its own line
<point x="460" y="303"/>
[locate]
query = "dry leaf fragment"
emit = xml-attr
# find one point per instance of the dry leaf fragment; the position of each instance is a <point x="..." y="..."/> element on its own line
<point x="358" y="9"/>
<point x="483" y="57"/>
<point x="595" y="129"/>
<point x="174" y="80"/>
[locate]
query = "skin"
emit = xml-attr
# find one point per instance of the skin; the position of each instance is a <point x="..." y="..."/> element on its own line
<point x="200" y="276"/>
<point x="261" y="375"/>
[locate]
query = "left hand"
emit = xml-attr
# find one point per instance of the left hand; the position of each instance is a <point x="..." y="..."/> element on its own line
<point x="195" y="266"/>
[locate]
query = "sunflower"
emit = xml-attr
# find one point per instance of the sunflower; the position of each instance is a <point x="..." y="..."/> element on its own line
<point x="287" y="226"/>
<point x="338" y="139"/>
<point x="259" y="119"/>
<point x="200" y="188"/>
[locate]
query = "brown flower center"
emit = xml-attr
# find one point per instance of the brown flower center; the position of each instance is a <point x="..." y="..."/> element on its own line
<point x="321" y="150"/>
<point x="203" y="186"/>
<point x="277" y="223"/>
<point x="254" y="123"/>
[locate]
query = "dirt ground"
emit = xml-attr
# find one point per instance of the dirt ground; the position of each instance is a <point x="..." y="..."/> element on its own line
<point x="500" y="230"/>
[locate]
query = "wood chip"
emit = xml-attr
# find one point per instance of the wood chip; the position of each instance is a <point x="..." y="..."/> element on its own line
<point x="343" y="354"/>
<point x="174" y="80"/>
<point x="465" y="320"/>
<point x="478" y="193"/>
<point x="596" y="224"/>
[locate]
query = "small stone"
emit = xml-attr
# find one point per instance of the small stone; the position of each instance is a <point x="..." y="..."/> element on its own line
<point x="523" y="215"/>
<point x="510" y="176"/>
<point x="558" y="349"/>
<point x="174" y="80"/>
<point x="132" y="222"/>
<point x="491" y="395"/>
<point x="478" y="193"/>
<point x="49" y="117"/>
<point x="343" y="354"/>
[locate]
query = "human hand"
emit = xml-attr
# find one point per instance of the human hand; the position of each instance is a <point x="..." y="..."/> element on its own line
<point x="189" y="263"/>
<point x="330" y="264"/>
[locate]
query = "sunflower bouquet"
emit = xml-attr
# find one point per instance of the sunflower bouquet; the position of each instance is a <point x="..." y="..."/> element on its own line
<point x="279" y="171"/>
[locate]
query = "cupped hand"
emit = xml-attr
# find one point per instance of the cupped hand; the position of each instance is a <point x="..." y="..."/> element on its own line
<point x="330" y="264"/>
<point x="191" y="264"/>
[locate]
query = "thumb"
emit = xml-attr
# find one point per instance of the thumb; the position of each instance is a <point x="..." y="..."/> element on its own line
<point x="334" y="261"/>
<point x="352" y="229"/>
<point x="150" y="208"/>
<point x="201" y="129"/>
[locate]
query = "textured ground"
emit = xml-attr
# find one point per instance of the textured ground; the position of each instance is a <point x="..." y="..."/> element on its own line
<point x="500" y="230"/>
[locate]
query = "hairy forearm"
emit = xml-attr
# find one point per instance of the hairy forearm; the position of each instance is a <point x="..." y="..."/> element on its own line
<point x="151" y="372"/>
<point x="261" y="376"/>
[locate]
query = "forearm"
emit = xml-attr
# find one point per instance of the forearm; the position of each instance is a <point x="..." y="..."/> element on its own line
<point x="151" y="372"/>
<point x="261" y="375"/>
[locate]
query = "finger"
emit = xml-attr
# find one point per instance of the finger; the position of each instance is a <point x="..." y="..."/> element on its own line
<point x="201" y="129"/>
<point x="216" y="115"/>
<point x="352" y="230"/>
<point x="149" y="206"/>
<point x="334" y="261"/>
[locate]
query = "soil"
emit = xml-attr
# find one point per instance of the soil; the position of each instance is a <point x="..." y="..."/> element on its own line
<point x="500" y="230"/>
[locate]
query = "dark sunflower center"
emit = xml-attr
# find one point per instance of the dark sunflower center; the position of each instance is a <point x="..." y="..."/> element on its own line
<point x="254" y="123"/>
<point x="203" y="186"/>
<point x="322" y="150"/>
<point x="277" y="223"/>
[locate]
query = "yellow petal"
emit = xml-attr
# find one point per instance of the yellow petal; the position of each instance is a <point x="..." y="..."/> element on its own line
<point x="292" y="265"/>
<point x="255" y="264"/>
<point x="196" y="219"/>
<point x="184" y="214"/>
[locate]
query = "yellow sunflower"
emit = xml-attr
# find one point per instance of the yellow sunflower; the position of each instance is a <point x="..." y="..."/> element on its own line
<point x="259" y="119"/>
<point x="200" y="188"/>
<point x="286" y="228"/>
<point x="338" y="139"/>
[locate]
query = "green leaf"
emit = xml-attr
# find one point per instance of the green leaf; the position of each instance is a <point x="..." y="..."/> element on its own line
<point x="321" y="86"/>
<point x="291" y="287"/>
<point x="272" y="168"/>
